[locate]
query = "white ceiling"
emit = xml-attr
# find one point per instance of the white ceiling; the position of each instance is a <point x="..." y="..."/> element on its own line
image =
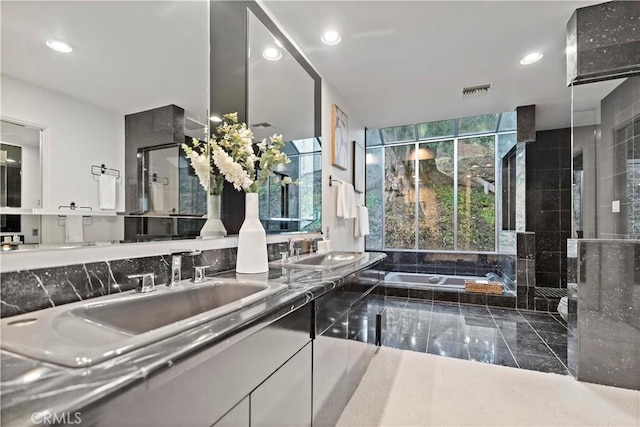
<point x="399" y="62"/>
<point x="406" y="62"/>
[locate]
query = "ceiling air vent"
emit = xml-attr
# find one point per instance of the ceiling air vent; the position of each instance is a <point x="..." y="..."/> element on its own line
<point x="261" y="125"/>
<point x="474" y="91"/>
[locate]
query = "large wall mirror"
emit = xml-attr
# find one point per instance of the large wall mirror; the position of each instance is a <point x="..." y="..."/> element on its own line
<point x="123" y="101"/>
<point x="280" y="97"/>
<point x="126" y="59"/>
<point x="277" y="91"/>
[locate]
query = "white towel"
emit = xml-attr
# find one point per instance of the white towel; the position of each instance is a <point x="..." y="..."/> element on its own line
<point x="157" y="196"/>
<point x="73" y="229"/>
<point x="107" y="192"/>
<point x="361" y="225"/>
<point x="346" y="202"/>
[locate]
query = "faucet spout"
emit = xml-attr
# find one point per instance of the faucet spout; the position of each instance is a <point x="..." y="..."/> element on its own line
<point x="176" y="265"/>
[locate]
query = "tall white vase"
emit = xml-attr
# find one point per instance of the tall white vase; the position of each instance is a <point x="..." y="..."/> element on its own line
<point x="213" y="227"/>
<point x="252" y="241"/>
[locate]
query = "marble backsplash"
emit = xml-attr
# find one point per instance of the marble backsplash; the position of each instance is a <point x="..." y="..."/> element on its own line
<point x="30" y="290"/>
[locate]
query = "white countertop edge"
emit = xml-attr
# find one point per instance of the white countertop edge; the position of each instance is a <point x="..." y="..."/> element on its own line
<point x="56" y="257"/>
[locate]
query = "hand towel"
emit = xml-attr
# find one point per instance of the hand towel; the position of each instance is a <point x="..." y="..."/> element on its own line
<point x="346" y="202"/>
<point x="157" y="196"/>
<point x="73" y="229"/>
<point x="361" y="226"/>
<point x="107" y="192"/>
<point x="341" y="201"/>
<point x="351" y="207"/>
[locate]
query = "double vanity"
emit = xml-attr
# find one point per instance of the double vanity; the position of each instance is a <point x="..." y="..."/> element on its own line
<point x="283" y="348"/>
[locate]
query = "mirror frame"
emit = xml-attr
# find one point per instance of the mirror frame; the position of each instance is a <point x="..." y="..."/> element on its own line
<point x="228" y="81"/>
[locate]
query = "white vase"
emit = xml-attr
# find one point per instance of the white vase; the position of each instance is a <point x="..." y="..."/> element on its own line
<point x="213" y="227"/>
<point x="252" y="241"/>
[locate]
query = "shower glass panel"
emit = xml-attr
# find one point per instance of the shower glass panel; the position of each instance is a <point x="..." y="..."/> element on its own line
<point x="606" y="159"/>
<point x="435" y="194"/>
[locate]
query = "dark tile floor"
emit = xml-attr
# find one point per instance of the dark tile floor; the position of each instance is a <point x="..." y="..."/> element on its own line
<point x="521" y="339"/>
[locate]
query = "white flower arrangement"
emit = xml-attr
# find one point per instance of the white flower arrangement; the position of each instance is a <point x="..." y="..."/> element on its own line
<point x="201" y="158"/>
<point x="233" y="155"/>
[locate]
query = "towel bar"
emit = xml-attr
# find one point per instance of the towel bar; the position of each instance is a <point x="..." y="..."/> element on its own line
<point x="102" y="169"/>
<point x="333" y="180"/>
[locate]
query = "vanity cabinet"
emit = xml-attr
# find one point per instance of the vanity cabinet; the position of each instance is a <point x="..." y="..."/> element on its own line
<point x="211" y="385"/>
<point x="344" y="344"/>
<point x="300" y="370"/>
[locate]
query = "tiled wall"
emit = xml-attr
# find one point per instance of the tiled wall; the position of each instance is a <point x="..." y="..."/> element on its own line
<point x="602" y="40"/>
<point x="29" y="290"/>
<point x="443" y="263"/>
<point x="549" y="204"/>
<point x="526" y="270"/>
<point x="608" y="316"/>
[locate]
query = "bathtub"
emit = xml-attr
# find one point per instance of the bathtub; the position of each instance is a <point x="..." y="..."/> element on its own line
<point x="435" y="280"/>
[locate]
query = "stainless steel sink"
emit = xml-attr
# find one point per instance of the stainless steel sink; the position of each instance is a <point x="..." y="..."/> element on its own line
<point x="326" y="261"/>
<point x="89" y="332"/>
<point x="139" y="315"/>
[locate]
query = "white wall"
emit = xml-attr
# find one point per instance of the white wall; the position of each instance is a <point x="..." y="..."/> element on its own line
<point x="340" y="230"/>
<point x="77" y="136"/>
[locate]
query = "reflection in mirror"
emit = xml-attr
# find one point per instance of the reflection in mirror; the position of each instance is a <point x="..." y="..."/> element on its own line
<point x="606" y="159"/>
<point x="157" y="57"/>
<point x="20" y="163"/>
<point x="20" y="182"/>
<point x="169" y="184"/>
<point x="281" y="101"/>
<point x="280" y="91"/>
<point x="297" y="206"/>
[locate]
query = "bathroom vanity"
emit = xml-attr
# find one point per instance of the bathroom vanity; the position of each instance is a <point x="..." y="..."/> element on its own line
<point x="294" y="357"/>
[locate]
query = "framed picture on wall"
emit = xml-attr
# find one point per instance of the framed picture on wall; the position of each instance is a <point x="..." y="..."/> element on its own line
<point x="339" y="138"/>
<point x="358" y="167"/>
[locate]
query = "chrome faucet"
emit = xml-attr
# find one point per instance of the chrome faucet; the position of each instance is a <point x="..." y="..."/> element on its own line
<point x="146" y="282"/>
<point x="294" y="253"/>
<point x="176" y="265"/>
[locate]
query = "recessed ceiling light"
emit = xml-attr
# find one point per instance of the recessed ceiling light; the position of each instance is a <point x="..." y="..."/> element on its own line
<point x="215" y="119"/>
<point x="531" y="58"/>
<point x="59" y="46"/>
<point x="272" y="54"/>
<point x="331" y="38"/>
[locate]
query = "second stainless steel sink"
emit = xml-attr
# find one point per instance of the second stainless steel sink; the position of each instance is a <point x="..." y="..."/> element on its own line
<point x="88" y="332"/>
<point x="326" y="261"/>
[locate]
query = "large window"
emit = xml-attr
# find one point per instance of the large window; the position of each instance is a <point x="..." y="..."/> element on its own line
<point x="432" y="186"/>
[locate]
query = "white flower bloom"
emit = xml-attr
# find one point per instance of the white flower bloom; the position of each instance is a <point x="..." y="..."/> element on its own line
<point x="200" y="164"/>
<point x="285" y="181"/>
<point x="232" y="171"/>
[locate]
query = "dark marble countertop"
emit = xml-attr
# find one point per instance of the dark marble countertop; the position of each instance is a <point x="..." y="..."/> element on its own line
<point x="30" y="388"/>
